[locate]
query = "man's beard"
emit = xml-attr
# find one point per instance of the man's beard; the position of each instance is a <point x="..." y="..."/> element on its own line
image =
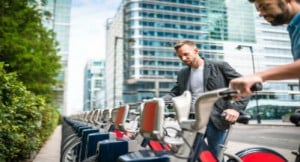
<point x="281" y="18"/>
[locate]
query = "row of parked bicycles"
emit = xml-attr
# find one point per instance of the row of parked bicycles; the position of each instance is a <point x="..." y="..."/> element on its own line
<point x="146" y="132"/>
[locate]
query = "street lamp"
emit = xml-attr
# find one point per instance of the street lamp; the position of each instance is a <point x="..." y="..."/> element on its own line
<point x="239" y="47"/>
<point x="130" y="41"/>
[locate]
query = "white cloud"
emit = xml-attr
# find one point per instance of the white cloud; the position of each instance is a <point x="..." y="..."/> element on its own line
<point x="87" y="40"/>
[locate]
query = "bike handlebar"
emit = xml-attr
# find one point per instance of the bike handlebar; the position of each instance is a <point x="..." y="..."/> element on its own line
<point x="232" y="93"/>
<point x="243" y="117"/>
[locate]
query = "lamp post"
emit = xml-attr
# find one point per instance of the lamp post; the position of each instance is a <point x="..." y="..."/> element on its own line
<point x="239" y="47"/>
<point x="130" y="40"/>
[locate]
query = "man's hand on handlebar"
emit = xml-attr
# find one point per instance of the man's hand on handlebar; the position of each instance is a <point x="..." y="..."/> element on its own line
<point x="231" y="115"/>
<point x="244" y="84"/>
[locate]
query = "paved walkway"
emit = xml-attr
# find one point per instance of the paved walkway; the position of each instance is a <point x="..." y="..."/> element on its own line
<point x="50" y="152"/>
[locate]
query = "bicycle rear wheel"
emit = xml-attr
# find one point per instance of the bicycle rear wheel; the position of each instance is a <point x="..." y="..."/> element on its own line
<point x="260" y="154"/>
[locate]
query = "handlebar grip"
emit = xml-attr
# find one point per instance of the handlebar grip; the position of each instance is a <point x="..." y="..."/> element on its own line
<point x="256" y="87"/>
<point x="243" y="117"/>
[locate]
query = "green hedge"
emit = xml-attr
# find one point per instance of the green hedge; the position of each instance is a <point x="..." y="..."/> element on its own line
<point x="26" y="121"/>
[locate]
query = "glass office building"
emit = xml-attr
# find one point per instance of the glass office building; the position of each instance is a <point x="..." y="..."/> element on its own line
<point x="149" y="66"/>
<point x="94" y="83"/>
<point x="59" y="22"/>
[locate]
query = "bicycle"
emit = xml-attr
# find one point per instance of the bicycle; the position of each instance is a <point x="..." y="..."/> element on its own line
<point x="189" y="144"/>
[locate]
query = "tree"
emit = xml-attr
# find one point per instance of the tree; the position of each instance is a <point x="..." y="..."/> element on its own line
<point x="27" y="47"/>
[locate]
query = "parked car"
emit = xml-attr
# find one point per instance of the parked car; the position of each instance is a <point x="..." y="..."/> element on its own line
<point x="295" y="117"/>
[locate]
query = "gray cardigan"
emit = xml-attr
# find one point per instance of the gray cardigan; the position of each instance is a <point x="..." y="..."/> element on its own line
<point x="217" y="74"/>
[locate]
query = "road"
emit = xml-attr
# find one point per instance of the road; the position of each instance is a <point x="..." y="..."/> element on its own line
<point x="284" y="137"/>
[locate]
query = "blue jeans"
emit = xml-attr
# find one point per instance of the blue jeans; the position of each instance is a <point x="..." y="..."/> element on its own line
<point x="214" y="137"/>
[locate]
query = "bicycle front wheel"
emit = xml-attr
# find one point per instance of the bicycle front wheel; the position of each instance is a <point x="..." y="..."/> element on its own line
<point x="260" y="154"/>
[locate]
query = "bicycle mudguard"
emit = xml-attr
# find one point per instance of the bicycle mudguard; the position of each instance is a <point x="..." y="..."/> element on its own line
<point x="260" y="154"/>
<point x="202" y="151"/>
<point x="205" y="155"/>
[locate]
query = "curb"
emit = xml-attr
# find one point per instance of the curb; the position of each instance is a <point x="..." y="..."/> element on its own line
<point x="274" y="125"/>
<point x="271" y="123"/>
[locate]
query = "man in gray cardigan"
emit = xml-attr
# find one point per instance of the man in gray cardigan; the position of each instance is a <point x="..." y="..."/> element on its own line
<point x="203" y="75"/>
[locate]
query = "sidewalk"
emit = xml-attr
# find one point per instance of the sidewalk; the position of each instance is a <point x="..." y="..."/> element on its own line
<point x="50" y="152"/>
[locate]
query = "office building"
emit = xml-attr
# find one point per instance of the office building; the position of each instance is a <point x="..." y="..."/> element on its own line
<point x="94" y="85"/>
<point x="59" y="22"/>
<point x="149" y="66"/>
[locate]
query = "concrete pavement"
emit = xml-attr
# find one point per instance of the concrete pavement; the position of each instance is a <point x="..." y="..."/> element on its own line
<point x="50" y="152"/>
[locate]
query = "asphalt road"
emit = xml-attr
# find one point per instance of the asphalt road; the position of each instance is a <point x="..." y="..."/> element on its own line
<point x="284" y="137"/>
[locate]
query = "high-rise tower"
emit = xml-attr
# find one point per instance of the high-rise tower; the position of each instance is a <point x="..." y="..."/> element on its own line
<point x="59" y="21"/>
<point x="94" y="84"/>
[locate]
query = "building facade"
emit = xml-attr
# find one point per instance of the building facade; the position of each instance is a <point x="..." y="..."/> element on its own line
<point x="94" y="85"/>
<point x="149" y="66"/>
<point x="59" y="22"/>
<point x="115" y="44"/>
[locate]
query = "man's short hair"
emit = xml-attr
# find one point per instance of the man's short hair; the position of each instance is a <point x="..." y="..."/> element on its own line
<point x="181" y="43"/>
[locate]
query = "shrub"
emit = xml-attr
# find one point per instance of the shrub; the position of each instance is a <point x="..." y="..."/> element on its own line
<point x="21" y="119"/>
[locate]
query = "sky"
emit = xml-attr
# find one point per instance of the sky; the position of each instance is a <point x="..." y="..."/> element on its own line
<point x="87" y="41"/>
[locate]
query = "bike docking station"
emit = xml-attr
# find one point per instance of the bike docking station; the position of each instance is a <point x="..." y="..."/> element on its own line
<point x="146" y="132"/>
<point x="86" y="140"/>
